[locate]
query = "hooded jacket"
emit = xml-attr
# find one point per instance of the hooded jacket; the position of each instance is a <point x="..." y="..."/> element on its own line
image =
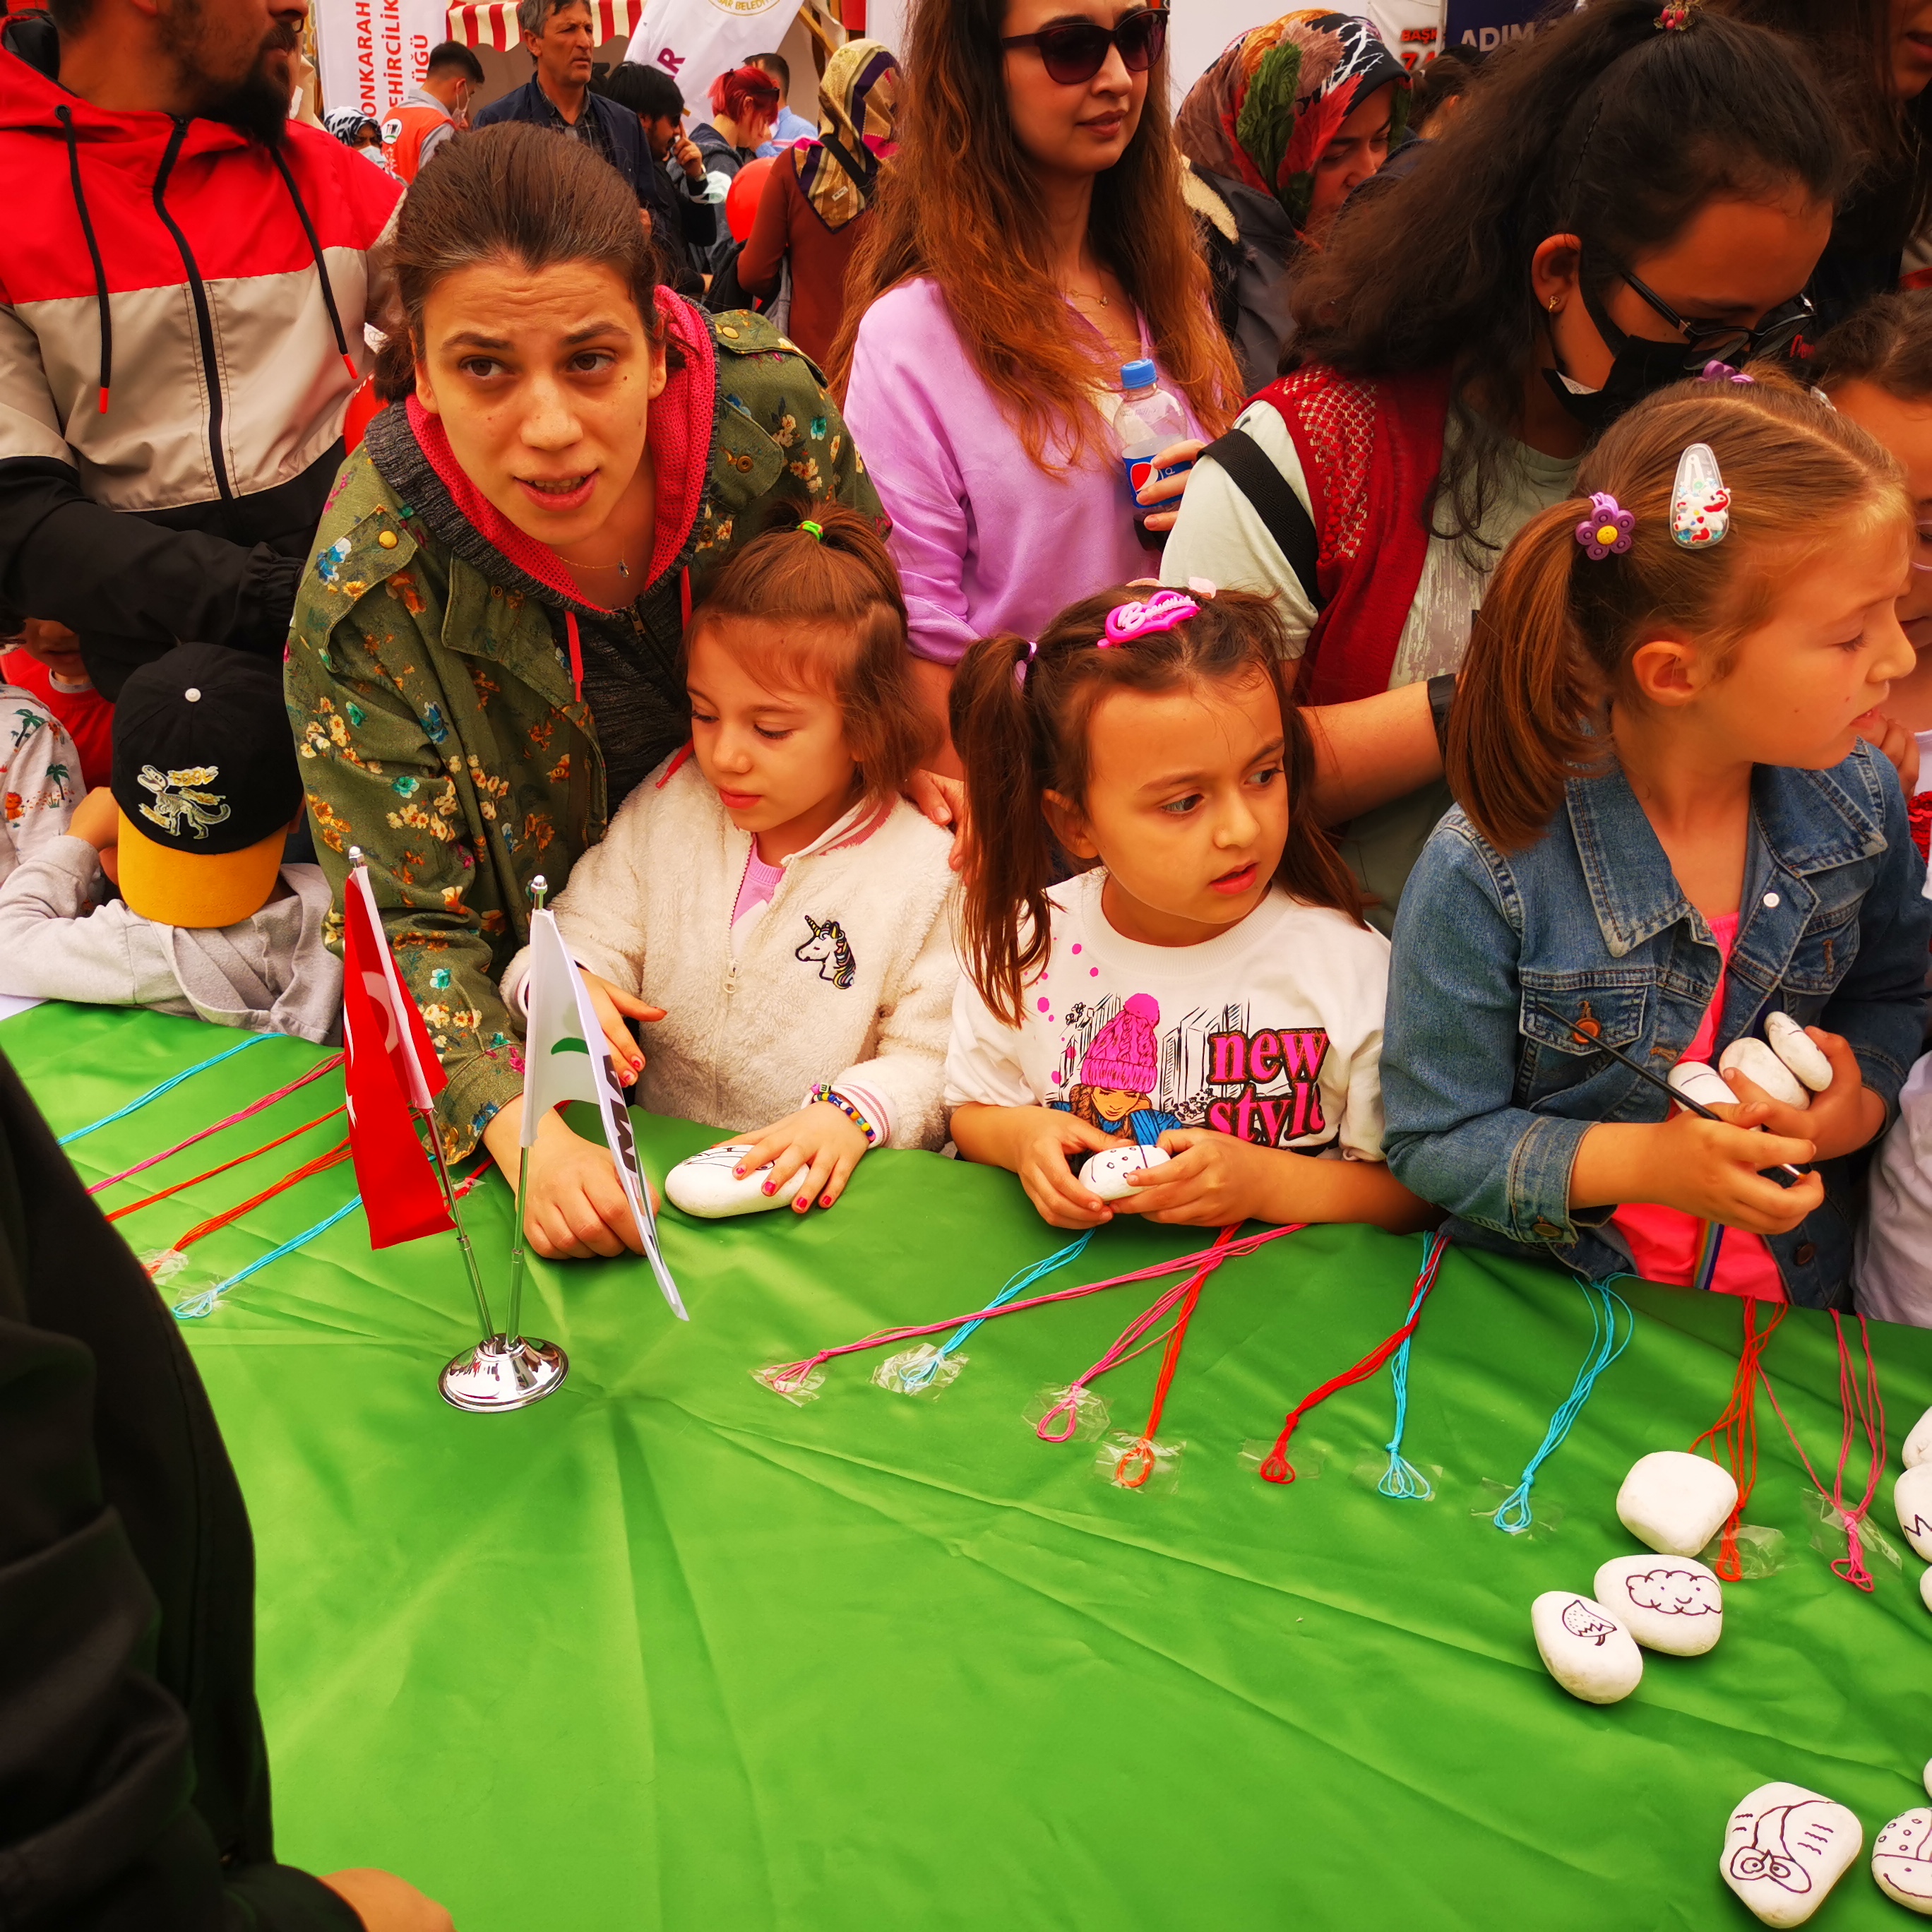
<point x="465" y="718"/>
<point x="181" y="327"/>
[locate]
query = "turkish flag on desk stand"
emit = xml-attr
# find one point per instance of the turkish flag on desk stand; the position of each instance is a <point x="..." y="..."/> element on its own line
<point x="389" y="1068"/>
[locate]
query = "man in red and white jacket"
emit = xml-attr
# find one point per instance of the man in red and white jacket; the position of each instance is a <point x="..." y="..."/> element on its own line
<point x="184" y="278"/>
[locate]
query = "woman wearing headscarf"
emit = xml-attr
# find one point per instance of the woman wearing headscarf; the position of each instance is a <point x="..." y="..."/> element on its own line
<point x="817" y="195"/>
<point x="354" y="129"/>
<point x="1276" y="134"/>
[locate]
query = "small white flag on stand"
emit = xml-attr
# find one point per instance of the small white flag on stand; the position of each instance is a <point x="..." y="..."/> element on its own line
<point x="565" y="1058"/>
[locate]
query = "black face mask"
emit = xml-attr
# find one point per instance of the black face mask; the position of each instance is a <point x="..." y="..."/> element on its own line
<point x="1639" y="368"/>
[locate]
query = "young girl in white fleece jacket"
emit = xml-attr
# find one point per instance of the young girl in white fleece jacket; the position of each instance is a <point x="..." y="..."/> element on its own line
<point x="767" y="901"/>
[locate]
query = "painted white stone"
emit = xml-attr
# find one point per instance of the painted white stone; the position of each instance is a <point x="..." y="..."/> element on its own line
<point x="1763" y="1069"/>
<point x="1798" y="1051"/>
<point x="1585" y="1647"/>
<point x="1699" y="1080"/>
<point x="705" y="1185"/>
<point x="1106" y="1172"/>
<point x="1675" y="1502"/>
<point x="1901" y="1860"/>
<point x="1925" y="1597"/>
<point x="1928" y="1766"/>
<point x="1912" y="1497"/>
<point x="1672" y="1603"/>
<point x="1919" y="1444"/>
<point x="1784" y="1849"/>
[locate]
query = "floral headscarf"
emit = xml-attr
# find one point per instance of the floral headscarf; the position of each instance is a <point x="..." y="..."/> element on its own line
<point x="1265" y="112"/>
<point x="858" y="103"/>
<point x="347" y="124"/>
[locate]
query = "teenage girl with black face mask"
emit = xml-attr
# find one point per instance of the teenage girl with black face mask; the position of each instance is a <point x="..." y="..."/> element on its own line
<point x="1626" y="198"/>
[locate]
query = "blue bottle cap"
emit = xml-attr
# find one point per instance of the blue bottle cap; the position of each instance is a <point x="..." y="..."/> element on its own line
<point x="1139" y="375"/>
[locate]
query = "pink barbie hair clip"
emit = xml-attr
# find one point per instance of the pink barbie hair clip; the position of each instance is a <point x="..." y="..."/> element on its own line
<point x="1723" y="372"/>
<point x="1605" y="531"/>
<point x="1022" y="665"/>
<point x="1161" y="612"/>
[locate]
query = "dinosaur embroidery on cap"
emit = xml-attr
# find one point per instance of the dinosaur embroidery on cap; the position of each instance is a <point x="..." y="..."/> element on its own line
<point x="180" y="800"/>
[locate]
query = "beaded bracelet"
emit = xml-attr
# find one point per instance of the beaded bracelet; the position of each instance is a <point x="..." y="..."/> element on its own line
<point x="833" y="1098"/>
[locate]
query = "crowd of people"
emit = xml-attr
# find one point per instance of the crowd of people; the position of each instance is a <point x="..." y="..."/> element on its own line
<point x="1512" y="657"/>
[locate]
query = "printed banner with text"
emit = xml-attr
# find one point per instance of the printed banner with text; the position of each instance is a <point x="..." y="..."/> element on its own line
<point x="370" y="53"/>
<point x="694" y="41"/>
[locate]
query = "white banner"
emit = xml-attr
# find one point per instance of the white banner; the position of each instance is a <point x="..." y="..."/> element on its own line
<point x="370" y="53"/>
<point x="694" y="41"/>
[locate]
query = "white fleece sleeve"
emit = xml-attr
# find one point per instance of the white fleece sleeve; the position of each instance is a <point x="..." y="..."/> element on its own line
<point x="40" y="776"/>
<point x="904" y="1079"/>
<point x="56" y="944"/>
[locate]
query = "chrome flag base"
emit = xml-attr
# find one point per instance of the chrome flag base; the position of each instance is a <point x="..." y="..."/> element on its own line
<point x="503" y="1373"/>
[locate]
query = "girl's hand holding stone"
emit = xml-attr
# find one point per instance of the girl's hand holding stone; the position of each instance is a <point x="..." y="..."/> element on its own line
<point x="821" y="1142"/>
<point x="1212" y="1180"/>
<point x="1709" y="1168"/>
<point x="1839" y="1120"/>
<point x="612" y="1005"/>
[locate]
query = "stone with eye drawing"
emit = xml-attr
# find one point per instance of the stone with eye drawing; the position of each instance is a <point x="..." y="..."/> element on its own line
<point x="705" y="1185"/>
<point x="1108" y="1173"/>
<point x="1901" y="1860"/>
<point x="1784" y="1849"/>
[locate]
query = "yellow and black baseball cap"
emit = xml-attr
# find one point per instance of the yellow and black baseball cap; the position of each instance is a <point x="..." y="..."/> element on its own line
<point x="206" y="776"/>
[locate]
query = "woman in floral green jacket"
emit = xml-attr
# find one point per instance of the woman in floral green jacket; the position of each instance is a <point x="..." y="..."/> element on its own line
<point x="484" y="654"/>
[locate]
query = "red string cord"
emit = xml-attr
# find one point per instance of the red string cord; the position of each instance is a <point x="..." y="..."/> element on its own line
<point x="1277" y="1468"/>
<point x="1060" y="1422"/>
<point x="1137" y="1464"/>
<point x="253" y="1153"/>
<point x="1861" y="1408"/>
<point x="215" y="1223"/>
<point x="1737" y="1427"/>
<point x="315" y="1073"/>
<point x="785" y="1378"/>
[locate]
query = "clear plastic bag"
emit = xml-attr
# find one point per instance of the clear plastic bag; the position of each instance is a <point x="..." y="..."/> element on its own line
<point x="923" y="1370"/>
<point x="1136" y="1463"/>
<point x="1829" y="1540"/>
<point x="1309" y="1455"/>
<point x="163" y="1265"/>
<point x="1545" y="1520"/>
<point x="1078" y="1415"/>
<point x="1761" y="1551"/>
<point x="798" y="1393"/>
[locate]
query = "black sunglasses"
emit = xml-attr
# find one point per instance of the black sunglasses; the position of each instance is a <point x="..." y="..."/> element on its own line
<point x="1076" y="50"/>
<point x="1725" y="341"/>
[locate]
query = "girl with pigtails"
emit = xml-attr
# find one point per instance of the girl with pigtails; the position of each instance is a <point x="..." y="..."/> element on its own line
<point x="1673" y="836"/>
<point x="1205" y="991"/>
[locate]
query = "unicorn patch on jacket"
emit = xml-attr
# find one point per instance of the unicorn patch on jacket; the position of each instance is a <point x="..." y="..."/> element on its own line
<point x="830" y="949"/>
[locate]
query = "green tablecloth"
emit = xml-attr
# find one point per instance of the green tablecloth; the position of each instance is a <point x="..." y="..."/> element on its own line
<point x="666" y="1651"/>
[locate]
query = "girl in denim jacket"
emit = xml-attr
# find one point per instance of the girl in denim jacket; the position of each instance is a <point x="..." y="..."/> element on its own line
<point x="1670" y="826"/>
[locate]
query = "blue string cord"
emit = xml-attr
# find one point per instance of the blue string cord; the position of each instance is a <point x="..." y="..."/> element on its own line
<point x="1402" y="1480"/>
<point x="173" y="1081"/>
<point x="1607" y="1344"/>
<point x="196" y="1307"/>
<point x="919" y="1377"/>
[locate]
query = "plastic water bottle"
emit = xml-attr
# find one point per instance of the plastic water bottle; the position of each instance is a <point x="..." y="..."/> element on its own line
<point x="1147" y="419"/>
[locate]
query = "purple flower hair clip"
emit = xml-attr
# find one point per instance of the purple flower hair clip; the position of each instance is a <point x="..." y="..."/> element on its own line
<point x="1606" y="530"/>
<point x="1161" y="612"/>
<point x="1723" y="372"/>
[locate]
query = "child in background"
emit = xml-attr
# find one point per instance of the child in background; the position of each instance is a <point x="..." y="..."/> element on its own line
<point x="44" y="658"/>
<point x="1207" y="985"/>
<point x="776" y="892"/>
<point x="40" y="777"/>
<point x="209" y="923"/>
<point x="1670" y="826"/>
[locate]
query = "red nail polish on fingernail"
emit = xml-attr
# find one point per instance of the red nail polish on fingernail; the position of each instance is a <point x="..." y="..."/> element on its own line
<point x="801" y="1204"/>
<point x="769" y="1189"/>
<point x="825" y="1201"/>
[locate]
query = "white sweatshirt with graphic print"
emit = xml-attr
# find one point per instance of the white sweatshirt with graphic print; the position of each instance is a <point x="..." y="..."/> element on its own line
<point x="845" y="976"/>
<point x="40" y="778"/>
<point x="1272" y="1033"/>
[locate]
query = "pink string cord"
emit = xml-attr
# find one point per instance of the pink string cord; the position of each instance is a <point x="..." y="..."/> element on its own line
<point x="1060" y="1422"/>
<point x="1278" y="1469"/>
<point x="1861" y="1407"/>
<point x="786" y="1377"/>
<point x="248" y="1113"/>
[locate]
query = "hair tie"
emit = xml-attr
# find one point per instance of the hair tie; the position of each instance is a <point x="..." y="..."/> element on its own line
<point x="1700" y="505"/>
<point x="1141" y="619"/>
<point x="1607" y="531"/>
<point x="813" y="531"/>
<point x="1723" y="372"/>
<point x="1022" y="665"/>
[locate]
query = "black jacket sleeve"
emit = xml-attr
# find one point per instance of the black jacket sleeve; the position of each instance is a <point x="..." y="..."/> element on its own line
<point x="133" y="1783"/>
<point x="131" y="586"/>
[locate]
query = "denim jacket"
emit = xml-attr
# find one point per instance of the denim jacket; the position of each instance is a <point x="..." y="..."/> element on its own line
<point x="1488" y="1095"/>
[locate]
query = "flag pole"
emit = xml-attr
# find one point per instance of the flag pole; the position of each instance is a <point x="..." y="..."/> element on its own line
<point x="511" y="1370"/>
<point x="462" y="1232"/>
